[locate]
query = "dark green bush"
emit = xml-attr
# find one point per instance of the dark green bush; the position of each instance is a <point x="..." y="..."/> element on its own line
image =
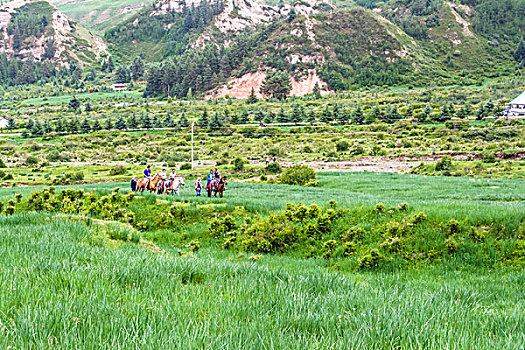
<point x="117" y="170"/>
<point x="185" y="166"/>
<point x="298" y="175"/>
<point x="342" y="146"/>
<point x="273" y="168"/>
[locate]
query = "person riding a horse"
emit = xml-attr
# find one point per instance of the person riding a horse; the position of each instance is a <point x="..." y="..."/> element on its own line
<point x="210" y="177"/>
<point x="147" y="174"/>
<point x="163" y="177"/>
<point x="171" y="178"/>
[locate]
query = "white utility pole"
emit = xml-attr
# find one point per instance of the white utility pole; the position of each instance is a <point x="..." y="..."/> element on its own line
<point x="192" y="125"/>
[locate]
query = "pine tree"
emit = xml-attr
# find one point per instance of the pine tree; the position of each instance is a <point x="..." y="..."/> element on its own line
<point x="252" y="99"/>
<point x="46" y="127"/>
<point x="108" y="124"/>
<point x="482" y="112"/>
<point x="184" y="122"/>
<point x="444" y="115"/>
<point x="137" y="68"/>
<point x="73" y="125"/>
<point x="282" y="117"/>
<point x="202" y="122"/>
<point x="122" y="75"/>
<point x="259" y="116"/>
<point x="120" y="124"/>
<point x="235" y="118"/>
<point x="96" y="125"/>
<point x="276" y="84"/>
<point x="168" y="121"/>
<point x="311" y="117"/>
<point x="11" y="125"/>
<point x="268" y="118"/>
<point x="373" y="115"/>
<point x="358" y="116"/>
<point x="85" y="127"/>
<point x="215" y="122"/>
<point x="156" y="122"/>
<point x="30" y="125"/>
<point x="60" y="125"/>
<point x="489" y="107"/>
<point x="316" y="91"/>
<point x="146" y="121"/>
<point x="337" y="112"/>
<point x="520" y="51"/>
<point x="37" y="129"/>
<point x="74" y="103"/>
<point x="426" y="114"/>
<point x="17" y="38"/>
<point x="393" y="115"/>
<point x="326" y="115"/>
<point x="298" y="114"/>
<point x="132" y="122"/>
<point x="110" y="67"/>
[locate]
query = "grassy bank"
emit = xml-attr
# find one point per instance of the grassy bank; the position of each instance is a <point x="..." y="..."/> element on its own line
<point x="58" y="292"/>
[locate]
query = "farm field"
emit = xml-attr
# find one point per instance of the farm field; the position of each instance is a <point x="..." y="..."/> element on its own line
<point x="73" y="280"/>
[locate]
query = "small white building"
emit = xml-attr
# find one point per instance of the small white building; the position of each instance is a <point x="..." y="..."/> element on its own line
<point x="4" y="122"/>
<point x="517" y="106"/>
<point x="119" y="87"/>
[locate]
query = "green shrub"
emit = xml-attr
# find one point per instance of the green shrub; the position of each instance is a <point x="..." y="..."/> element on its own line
<point x="371" y="260"/>
<point x="444" y="165"/>
<point x="185" y="166"/>
<point x="9" y="177"/>
<point x="298" y="175"/>
<point x="238" y="164"/>
<point x="329" y="248"/>
<point x="273" y="168"/>
<point x="194" y="246"/>
<point x="489" y="157"/>
<point x="349" y="248"/>
<point x="355" y="233"/>
<point x="342" y="146"/>
<point x="451" y="244"/>
<point x="31" y="160"/>
<point x="117" y="170"/>
<point x="2" y="164"/>
<point x="380" y="208"/>
<point x="53" y="156"/>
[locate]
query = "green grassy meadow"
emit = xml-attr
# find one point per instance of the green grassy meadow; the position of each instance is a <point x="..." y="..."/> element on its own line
<point x="61" y="288"/>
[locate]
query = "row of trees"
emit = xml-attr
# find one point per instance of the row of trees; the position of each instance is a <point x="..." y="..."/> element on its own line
<point x="219" y="119"/>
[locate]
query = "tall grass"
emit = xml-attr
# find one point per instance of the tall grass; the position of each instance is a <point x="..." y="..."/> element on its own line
<point x="57" y="291"/>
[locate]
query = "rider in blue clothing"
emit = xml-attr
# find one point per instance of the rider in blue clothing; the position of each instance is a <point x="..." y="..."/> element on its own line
<point x="147" y="172"/>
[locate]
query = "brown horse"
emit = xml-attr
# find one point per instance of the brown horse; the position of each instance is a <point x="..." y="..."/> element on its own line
<point x="220" y="187"/>
<point x="150" y="186"/>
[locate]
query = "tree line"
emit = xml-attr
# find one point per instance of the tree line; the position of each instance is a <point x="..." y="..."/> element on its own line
<point x="334" y="113"/>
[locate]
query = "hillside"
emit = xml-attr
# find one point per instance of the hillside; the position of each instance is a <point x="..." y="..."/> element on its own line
<point x="99" y="15"/>
<point x="36" y="31"/>
<point x="228" y="46"/>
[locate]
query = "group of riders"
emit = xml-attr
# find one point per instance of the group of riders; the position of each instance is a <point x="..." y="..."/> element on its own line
<point x="163" y="183"/>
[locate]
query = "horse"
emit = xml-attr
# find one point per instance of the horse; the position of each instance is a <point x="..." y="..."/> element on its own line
<point x="221" y="187"/>
<point x="217" y="187"/>
<point x="150" y="185"/>
<point x="175" y="186"/>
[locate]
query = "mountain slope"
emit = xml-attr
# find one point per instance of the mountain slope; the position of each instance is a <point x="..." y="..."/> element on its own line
<point x="99" y="15"/>
<point x="37" y="31"/>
